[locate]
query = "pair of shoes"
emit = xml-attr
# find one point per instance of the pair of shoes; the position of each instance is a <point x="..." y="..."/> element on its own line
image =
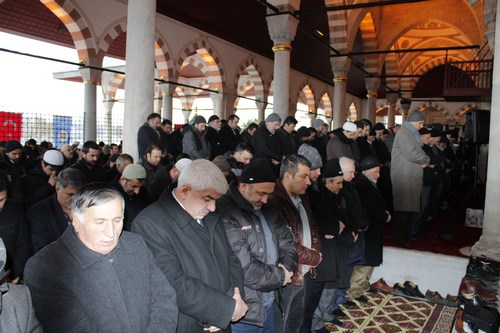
<point x="338" y="313"/>
<point x="477" y="302"/>
<point x="453" y="300"/>
<point x="469" y="287"/>
<point x="399" y="289"/>
<point x="434" y="296"/>
<point x="362" y="299"/>
<point x="412" y="289"/>
<point x="381" y="285"/>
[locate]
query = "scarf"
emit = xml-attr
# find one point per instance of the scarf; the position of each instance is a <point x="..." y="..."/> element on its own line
<point x="413" y="131"/>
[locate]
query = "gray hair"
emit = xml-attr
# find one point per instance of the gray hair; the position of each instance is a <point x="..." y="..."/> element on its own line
<point x="202" y="175"/>
<point x="345" y="161"/>
<point x="124" y="157"/>
<point x="70" y="177"/>
<point x="93" y="194"/>
<point x="291" y="164"/>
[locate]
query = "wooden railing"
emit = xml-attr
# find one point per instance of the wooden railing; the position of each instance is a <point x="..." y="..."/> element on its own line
<point x="468" y="78"/>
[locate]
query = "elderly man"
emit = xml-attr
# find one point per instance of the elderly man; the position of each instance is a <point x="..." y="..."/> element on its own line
<point x="116" y="170"/>
<point x="189" y="243"/>
<point x="265" y="142"/>
<point x="268" y="253"/>
<point x="49" y="218"/>
<point x="69" y="154"/>
<point x="136" y="196"/>
<point x="96" y="278"/>
<point x="407" y="172"/>
<point x="373" y="203"/>
<point x="213" y="137"/>
<point x="88" y="163"/>
<point x="166" y="176"/>
<point x="149" y="134"/>
<point x="290" y="200"/>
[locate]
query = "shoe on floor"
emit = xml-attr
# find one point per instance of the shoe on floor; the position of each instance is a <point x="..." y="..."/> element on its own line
<point x="400" y="289"/>
<point x="381" y="285"/>
<point x="413" y="289"/>
<point x="362" y="299"/>
<point x="338" y="313"/>
<point x="350" y="304"/>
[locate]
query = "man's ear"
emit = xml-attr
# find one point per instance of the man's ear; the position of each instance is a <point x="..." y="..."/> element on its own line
<point x="76" y="223"/>
<point x="184" y="190"/>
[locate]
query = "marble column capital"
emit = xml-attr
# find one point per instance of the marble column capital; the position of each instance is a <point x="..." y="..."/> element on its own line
<point x="282" y="29"/>
<point x="108" y="105"/>
<point x="261" y="105"/>
<point x="405" y="107"/>
<point x="372" y="84"/>
<point x="167" y="88"/>
<point x="340" y="68"/>
<point x="392" y="98"/>
<point x="90" y="75"/>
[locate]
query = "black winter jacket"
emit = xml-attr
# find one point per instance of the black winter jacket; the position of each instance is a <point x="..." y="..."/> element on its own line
<point x="246" y="237"/>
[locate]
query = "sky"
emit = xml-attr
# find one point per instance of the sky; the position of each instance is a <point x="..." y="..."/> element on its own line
<point x="27" y="84"/>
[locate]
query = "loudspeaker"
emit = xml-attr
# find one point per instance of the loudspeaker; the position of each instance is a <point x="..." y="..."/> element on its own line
<point x="477" y="126"/>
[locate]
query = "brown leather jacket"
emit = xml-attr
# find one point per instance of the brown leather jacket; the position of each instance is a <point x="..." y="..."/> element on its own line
<point x="281" y="200"/>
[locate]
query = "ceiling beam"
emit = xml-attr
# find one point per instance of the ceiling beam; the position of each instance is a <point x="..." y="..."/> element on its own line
<point x="426" y="49"/>
<point x="337" y="8"/>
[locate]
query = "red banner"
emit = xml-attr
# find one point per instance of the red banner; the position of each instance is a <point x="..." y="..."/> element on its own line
<point x="11" y="125"/>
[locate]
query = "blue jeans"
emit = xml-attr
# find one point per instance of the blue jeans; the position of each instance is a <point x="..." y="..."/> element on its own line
<point x="269" y="325"/>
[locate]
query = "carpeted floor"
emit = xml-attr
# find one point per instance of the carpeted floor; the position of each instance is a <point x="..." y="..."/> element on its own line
<point x="392" y="313"/>
<point x="451" y="222"/>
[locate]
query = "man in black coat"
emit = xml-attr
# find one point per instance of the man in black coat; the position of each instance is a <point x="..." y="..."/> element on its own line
<point x="373" y="203"/>
<point x="189" y="244"/>
<point x="135" y="195"/>
<point x="14" y="232"/>
<point x="214" y="137"/>
<point x="88" y="163"/>
<point x="39" y="182"/>
<point x="230" y="133"/>
<point x="265" y="142"/>
<point x="12" y="162"/>
<point x="268" y="251"/>
<point x="149" y="134"/>
<point x="49" y="218"/>
<point x="285" y="136"/>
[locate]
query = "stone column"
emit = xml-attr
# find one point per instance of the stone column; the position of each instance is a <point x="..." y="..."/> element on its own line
<point x="90" y="79"/>
<point x="139" y="85"/>
<point x="405" y="108"/>
<point x="282" y="30"/>
<point x="261" y="107"/>
<point x="312" y="116"/>
<point x="167" y="92"/>
<point x="340" y="68"/>
<point x="372" y="84"/>
<point x="392" y="99"/>
<point x="228" y="101"/>
<point x="218" y="104"/>
<point x="186" y="113"/>
<point x="488" y="244"/>
<point x="108" y="120"/>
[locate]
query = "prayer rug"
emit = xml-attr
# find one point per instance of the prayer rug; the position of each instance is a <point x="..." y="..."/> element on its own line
<point x="387" y="313"/>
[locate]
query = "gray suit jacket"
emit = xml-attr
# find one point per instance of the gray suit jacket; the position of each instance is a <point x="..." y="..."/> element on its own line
<point x="17" y="314"/>
<point x="75" y="289"/>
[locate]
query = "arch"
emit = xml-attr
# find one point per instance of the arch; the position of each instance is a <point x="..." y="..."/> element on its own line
<point x="352" y="112"/>
<point x="215" y="71"/>
<point x="432" y="63"/>
<point x="163" y="61"/>
<point x="255" y="76"/>
<point x="306" y="95"/>
<point x="370" y="43"/>
<point x="326" y="102"/>
<point x="77" y="27"/>
<point x="337" y="22"/>
<point x="110" y="82"/>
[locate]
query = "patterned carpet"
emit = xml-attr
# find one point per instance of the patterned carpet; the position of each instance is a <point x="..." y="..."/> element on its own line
<point x="392" y="313"/>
